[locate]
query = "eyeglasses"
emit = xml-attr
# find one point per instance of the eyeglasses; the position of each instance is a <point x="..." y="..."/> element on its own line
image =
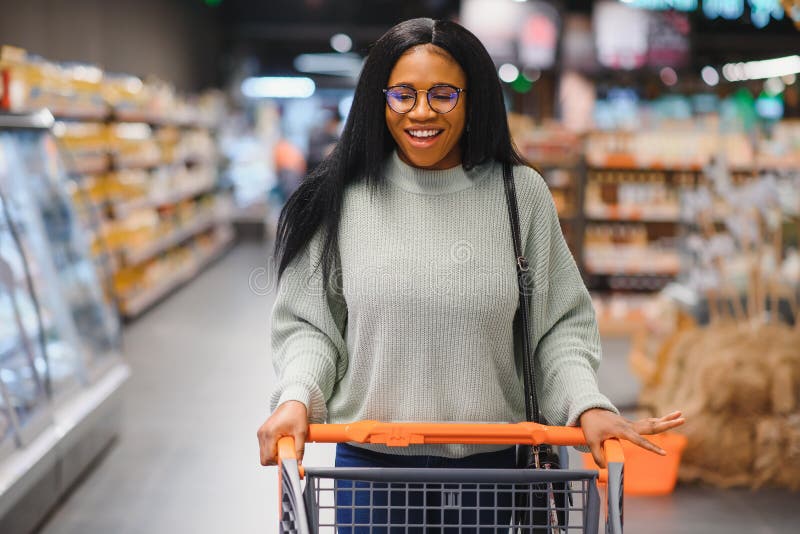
<point x="442" y="98"/>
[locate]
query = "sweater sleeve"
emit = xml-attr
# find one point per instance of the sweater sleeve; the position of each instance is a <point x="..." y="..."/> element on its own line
<point x="565" y="331"/>
<point x="308" y="348"/>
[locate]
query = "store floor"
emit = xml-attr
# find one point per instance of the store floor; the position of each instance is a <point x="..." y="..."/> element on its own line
<point x="187" y="458"/>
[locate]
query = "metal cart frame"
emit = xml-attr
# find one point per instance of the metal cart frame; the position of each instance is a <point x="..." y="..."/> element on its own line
<point x="318" y="508"/>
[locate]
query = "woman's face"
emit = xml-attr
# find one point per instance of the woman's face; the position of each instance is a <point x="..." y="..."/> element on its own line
<point x="422" y="67"/>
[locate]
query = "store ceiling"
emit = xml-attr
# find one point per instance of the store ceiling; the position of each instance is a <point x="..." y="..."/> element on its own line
<point x="276" y="31"/>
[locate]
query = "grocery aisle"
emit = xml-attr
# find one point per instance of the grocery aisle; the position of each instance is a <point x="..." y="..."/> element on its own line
<point x="186" y="460"/>
<point x="187" y="456"/>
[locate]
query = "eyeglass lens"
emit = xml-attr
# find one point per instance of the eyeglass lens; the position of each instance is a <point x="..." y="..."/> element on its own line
<point x="441" y="98"/>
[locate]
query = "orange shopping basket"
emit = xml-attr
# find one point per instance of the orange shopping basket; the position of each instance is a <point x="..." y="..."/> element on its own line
<point x="389" y="500"/>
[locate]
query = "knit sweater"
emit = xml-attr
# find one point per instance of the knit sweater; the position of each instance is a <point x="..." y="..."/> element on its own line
<point x="417" y="322"/>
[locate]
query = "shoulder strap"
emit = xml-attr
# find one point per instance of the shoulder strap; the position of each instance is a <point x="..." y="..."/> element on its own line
<point x="522" y="319"/>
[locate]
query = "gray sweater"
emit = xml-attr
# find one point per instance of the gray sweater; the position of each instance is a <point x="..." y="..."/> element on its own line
<point x="417" y="323"/>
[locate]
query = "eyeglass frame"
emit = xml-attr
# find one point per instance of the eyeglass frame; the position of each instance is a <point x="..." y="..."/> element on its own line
<point x="427" y="92"/>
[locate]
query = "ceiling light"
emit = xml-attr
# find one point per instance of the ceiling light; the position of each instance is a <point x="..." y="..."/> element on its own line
<point x="758" y="70"/>
<point x="341" y="43"/>
<point x="336" y="64"/>
<point x="710" y="75"/>
<point x="508" y="72"/>
<point x="278" y="87"/>
<point x="727" y="72"/>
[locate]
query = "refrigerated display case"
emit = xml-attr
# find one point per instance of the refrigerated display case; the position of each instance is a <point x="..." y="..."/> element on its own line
<point x="47" y="203"/>
<point x="24" y="334"/>
<point x="60" y="365"/>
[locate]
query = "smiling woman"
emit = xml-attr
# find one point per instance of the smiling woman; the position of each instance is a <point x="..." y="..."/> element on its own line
<point x="426" y="136"/>
<point x="398" y="286"/>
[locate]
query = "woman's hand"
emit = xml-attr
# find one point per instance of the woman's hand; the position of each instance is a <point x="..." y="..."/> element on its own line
<point x="599" y="425"/>
<point x="289" y="419"/>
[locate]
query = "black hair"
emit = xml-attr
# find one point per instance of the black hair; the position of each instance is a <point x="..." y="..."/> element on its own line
<point x="366" y="143"/>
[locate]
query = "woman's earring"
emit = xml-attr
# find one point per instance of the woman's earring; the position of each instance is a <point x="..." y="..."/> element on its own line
<point x="467" y="128"/>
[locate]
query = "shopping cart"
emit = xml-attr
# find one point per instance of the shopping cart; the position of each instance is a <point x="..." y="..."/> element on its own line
<point x="384" y="500"/>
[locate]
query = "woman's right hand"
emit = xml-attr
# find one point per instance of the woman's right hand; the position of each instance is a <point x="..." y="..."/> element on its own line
<point x="289" y="419"/>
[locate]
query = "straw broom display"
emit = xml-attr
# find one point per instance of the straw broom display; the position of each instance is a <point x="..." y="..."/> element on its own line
<point x="737" y="379"/>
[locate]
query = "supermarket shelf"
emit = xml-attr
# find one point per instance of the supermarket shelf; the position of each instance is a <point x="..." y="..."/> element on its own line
<point x="136" y="256"/>
<point x="635" y="283"/>
<point x="88" y="164"/>
<point x="628" y="270"/>
<point x="633" y="214"/>
<point x="99" y="114"/>
<point x="566" y="163"/>
<point x="39" y="120"/>
<point x="625" y="162"/>
<point x="133" y="306"/>
<point x="147" y="165"/>
<point x="121" y="209"/>
<point x="160" y="121"/>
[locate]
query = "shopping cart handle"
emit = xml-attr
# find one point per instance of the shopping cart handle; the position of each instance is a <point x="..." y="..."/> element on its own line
<point x="614" y="454"/>
<point x="405" y="434"/>
<point x="286" y="451"/>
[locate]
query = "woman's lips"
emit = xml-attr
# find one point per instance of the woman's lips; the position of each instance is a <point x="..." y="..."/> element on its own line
<point x="423" y="142"/>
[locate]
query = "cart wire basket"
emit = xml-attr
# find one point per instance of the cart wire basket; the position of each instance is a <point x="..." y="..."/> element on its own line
<point x="448" y="501"/>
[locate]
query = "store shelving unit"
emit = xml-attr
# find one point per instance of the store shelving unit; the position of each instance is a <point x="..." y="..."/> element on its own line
<point x="145" y="168"/>
<point x="159" y="195"/>
<point x="632" y="236"/>
<point x="557" y="155"/>
<point x="60" y="369"/>
<point x="140" y="302"/>
<point x="633" y="225"/>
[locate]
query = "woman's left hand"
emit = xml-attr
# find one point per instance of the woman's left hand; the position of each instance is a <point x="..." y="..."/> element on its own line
<point x="599" y="425"/>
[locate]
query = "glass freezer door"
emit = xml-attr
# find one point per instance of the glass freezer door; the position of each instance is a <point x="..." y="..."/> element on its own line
<point x="24" y="368"/>
<point x="90" y="322"/>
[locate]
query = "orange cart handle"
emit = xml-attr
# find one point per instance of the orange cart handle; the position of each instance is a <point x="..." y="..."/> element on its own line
<point x="405" y="434"/>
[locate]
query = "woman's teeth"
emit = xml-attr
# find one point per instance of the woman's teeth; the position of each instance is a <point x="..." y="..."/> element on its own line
<point x="424" y="133"/>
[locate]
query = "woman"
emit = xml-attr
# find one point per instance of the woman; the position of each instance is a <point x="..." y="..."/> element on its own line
<point x="397" y="280"/>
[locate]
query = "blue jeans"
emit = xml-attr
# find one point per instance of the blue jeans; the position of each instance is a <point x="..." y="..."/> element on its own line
<point x="390" y="511"/>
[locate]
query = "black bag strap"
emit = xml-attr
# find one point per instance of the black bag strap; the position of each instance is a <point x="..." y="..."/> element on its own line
<point x="522" y="318"/>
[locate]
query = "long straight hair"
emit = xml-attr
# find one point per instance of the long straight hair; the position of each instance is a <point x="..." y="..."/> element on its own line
<point x="365" y="144"/>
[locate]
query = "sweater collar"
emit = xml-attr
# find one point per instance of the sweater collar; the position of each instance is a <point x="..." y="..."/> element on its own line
<point x="428" y="182"/>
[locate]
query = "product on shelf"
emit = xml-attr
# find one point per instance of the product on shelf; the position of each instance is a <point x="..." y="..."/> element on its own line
<point x="548" y="144"/>
<point x="634" y="196"/>
<point x="133" y="146"/>
<point x="84" y="145"/>
<point x="68" y="90"/>
<point x="682" y="147"/>
<point x="156" y="102"/>
<point x="81" y="91"/>
<point x="625" y="249"/>
<point x="141" y="285"/>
